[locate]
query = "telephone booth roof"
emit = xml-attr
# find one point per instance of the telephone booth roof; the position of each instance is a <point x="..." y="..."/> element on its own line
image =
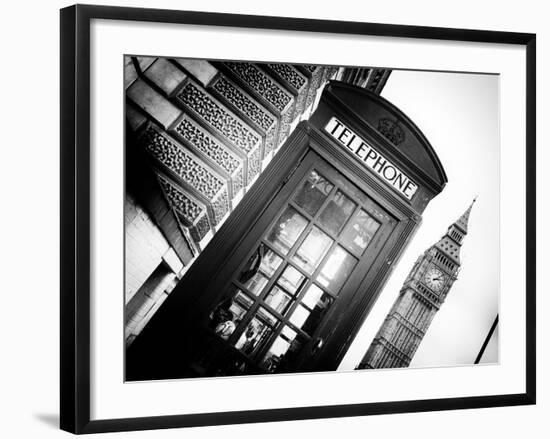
<point x="403" y="139"/>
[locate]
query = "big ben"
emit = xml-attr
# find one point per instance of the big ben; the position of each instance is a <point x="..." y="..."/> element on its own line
<point x="421" y="296"/>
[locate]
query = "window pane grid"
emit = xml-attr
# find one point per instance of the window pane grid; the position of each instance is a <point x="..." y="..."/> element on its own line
<point x="320" y="225"/>
<point x="337" y="212"/>
<point x="360" y="231"/>
<point x="319" y="209"/>
<point x="271" y="280"/>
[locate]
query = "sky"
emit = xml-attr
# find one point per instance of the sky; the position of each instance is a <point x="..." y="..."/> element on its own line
<point x="458" y="113"/>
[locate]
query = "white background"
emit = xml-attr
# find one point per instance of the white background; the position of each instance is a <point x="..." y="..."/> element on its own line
<point x="112" y="398"/>
<point x="29" y="327"/>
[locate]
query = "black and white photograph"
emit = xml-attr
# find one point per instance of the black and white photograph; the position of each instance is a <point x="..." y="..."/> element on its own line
<point x="290" y="218"/>
<point x="275" y="219"/>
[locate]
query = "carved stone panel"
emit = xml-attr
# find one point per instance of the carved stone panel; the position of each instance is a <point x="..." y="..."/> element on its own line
<point x="242" y="103"/>
<point x="311" y="67"/>
<point x="264" y="85"/>
<point x="315" y="82"/>
<point x="191" y="212"/>
<point x="329" y="73"/>
<point x="295" y="81"/>
<point x="192" y="171"/>
<point x="199" y="230"/>
<point x="377" y="80"/>
<point x="225" y="123"/>
<point x="205" y="143"/>
<point x="268" y="90"/>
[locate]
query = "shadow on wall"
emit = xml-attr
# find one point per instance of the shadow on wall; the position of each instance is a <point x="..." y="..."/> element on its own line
<point x="49" y="419"/>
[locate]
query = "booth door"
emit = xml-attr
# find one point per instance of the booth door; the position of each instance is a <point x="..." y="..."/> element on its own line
<point x="280" y="303"/>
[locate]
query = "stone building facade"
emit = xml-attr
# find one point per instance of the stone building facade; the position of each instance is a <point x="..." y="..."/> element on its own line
<point x="198" y="135"/>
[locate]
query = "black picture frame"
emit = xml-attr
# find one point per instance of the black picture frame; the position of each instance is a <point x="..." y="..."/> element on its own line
<point x="76" y="212"/>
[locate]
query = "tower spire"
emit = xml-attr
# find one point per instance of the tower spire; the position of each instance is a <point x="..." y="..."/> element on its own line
<point x="451" y="242"/>
<point x="462" y="222"/>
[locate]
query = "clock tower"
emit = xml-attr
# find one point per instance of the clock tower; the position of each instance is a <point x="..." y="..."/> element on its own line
<point x="421" y="296"/>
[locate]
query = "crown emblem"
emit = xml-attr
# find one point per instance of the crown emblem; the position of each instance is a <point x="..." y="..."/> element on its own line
<point x="391" y="130"/>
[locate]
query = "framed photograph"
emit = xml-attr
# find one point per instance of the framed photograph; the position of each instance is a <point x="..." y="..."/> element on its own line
<point x="268" y="218"/>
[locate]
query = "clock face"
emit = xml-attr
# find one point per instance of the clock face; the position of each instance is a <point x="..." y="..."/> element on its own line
<point x="435" y="279"/>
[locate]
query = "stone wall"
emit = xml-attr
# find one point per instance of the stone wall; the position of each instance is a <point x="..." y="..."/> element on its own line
<point x="151" y="267"/>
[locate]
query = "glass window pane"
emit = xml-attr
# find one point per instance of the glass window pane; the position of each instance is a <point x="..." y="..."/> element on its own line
<point x="312" y="250"/>
<point x="299" y="316"/>
<point x="360" y="231"/>
<point x="309" y="320"/>
<point x="270" y="261"/>
<point x="285" y="232"/>
<point x="282" y="352"/>
<point x="254" y="336"/>
<point x="264" y="259"/>
<point x="336" y="212"/>
<point x="319" y="302"/>
<point x="257" y="283"/>
<point x="273" y="357"/>
<point x="227" y="315"/>
<point x="336" y="269"/>
<point x="257" y="333"/>
<point x="278" y="300"/>
<point x="288" y="333"/>
<point x="291" y="279"/>
<point x="313" y="192"/>
<point x="312" y="295"/>
<point x="243" y="299"/>
<point x="266" y="317"/>
<point x="259" y="269"/>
